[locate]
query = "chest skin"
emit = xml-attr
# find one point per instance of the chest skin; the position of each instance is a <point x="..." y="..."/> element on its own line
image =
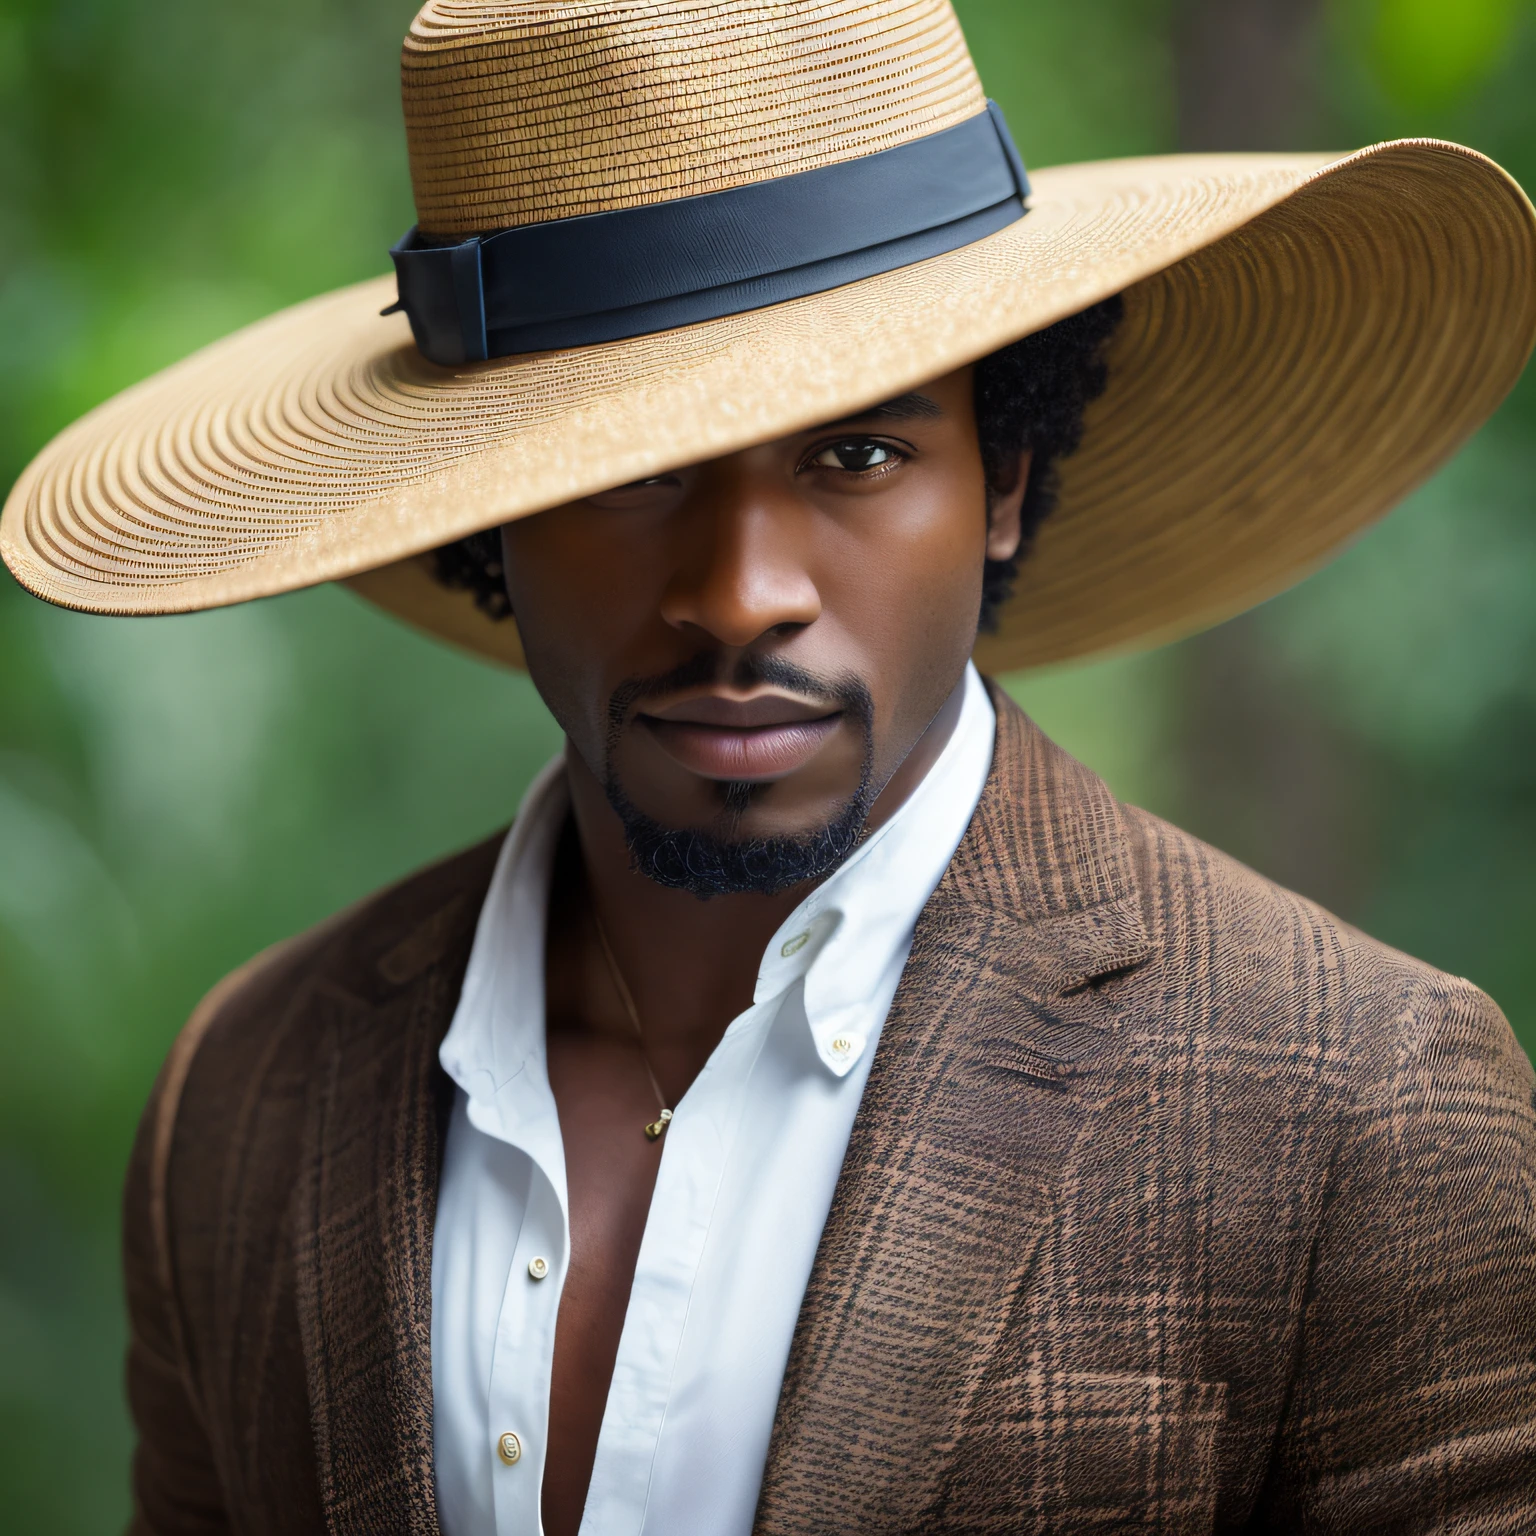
<point x="604" y="1097"/>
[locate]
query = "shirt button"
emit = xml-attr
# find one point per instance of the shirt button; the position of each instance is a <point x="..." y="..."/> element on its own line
<point x="510" y="1449"/>
<point x="795" y="945"/>
<point x="538" y="1268"/>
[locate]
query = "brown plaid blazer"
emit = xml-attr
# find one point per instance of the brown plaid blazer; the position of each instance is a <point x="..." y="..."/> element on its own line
<point x="1172" y="1205"/>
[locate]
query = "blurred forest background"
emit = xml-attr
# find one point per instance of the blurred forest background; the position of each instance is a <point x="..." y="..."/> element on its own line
<point x="176" y="794"/>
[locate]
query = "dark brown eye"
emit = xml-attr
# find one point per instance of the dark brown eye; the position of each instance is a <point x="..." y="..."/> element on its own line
<point x="855" y="456"/>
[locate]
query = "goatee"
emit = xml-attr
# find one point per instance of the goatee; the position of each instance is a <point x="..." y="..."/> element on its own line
<point x="715" y="860"/>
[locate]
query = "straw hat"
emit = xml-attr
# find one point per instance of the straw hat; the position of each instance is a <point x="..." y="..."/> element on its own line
<point x="731" y="220"/>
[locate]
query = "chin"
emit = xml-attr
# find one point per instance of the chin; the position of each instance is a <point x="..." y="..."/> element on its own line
<point x="729" y="856"/>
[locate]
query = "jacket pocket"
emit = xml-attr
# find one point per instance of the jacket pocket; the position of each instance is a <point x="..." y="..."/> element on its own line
<point x="1070" y="1452"/>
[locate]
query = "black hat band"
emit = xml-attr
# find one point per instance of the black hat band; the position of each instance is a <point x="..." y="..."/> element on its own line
<point x="633" y="271"/>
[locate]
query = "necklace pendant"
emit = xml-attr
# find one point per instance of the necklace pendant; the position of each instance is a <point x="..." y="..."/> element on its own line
<point x="658" y="1125"/>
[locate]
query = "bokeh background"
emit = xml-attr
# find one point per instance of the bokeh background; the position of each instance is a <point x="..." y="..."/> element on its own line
<point x="177" y="793"/>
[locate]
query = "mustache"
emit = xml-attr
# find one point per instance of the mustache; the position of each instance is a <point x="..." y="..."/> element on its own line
<point x="749" y="670"/>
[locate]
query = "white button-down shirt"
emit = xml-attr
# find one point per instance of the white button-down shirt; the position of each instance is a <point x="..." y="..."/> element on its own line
<point x="747" y="1172"/>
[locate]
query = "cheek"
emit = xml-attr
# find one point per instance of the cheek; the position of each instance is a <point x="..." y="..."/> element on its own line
<point x="909" y="578"/>
<point x="540" y="573"/>
<point x="906" y="595"/>
<point x="576" y="570"/>
<point x="558" y="583"/>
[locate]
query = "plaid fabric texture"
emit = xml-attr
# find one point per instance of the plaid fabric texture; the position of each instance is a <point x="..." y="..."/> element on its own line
<point x="1173" y="1205"/>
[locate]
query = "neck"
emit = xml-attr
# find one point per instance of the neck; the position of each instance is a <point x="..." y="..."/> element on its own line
<point x="692" y="965"/>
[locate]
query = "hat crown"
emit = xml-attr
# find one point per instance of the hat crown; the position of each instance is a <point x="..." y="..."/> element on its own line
<point x="521" y="111"/>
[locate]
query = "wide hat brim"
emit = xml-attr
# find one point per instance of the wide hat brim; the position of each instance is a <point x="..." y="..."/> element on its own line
<point x="1305" y="339"/>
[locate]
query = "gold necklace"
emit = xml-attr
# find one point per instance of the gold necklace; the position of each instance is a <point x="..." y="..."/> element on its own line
<point x="664" y="1119"/>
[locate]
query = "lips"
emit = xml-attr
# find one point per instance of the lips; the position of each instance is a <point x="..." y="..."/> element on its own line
<point x="762" y="738"/>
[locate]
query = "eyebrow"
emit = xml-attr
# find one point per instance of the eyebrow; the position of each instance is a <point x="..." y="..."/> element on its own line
<point x="909" y="407"/>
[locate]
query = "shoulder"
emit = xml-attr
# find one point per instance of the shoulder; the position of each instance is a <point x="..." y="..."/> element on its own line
<point x="1268" y="966"/>
<point x="1221" y="971"/>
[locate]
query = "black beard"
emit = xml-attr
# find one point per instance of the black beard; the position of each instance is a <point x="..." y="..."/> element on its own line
<point x="711" y="861"/>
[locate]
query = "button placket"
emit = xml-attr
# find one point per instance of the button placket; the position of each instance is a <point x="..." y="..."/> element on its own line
<point x="521" y="1356"/>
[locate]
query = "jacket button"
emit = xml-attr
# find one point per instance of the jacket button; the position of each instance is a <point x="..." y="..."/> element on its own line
<point x="510" y="1449"/>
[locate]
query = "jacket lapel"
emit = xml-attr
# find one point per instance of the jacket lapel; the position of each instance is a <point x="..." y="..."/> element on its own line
<point x="983" y="1082"/>
<point x="363" y="1223"/>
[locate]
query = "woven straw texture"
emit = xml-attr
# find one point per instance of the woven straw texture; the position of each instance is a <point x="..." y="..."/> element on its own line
<point x="1305" y="339"/>
<point x="520" y="113"/>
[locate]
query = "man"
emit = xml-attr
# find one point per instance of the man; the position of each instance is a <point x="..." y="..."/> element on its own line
<point x="828" y="1109"/>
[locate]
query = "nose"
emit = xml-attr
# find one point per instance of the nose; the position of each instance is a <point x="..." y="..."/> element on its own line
<point x="743" y="567"/>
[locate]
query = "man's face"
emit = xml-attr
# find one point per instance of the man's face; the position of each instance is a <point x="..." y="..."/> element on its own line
<point x="744" y="651"/>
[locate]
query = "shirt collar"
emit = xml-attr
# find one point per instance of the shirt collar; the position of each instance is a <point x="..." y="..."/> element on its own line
<point x="842" y="939"/>
<point x="847" y="934"/>
<point x="494" y="1049"/>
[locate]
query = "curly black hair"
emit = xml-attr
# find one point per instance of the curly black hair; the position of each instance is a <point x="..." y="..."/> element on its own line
<point x="1031" y="394"/>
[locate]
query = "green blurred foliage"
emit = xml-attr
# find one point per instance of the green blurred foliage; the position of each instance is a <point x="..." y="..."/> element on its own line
<point x="1078" y="82"/>
<point x="1429" y="52"/>
<point x="177" y="793"/>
